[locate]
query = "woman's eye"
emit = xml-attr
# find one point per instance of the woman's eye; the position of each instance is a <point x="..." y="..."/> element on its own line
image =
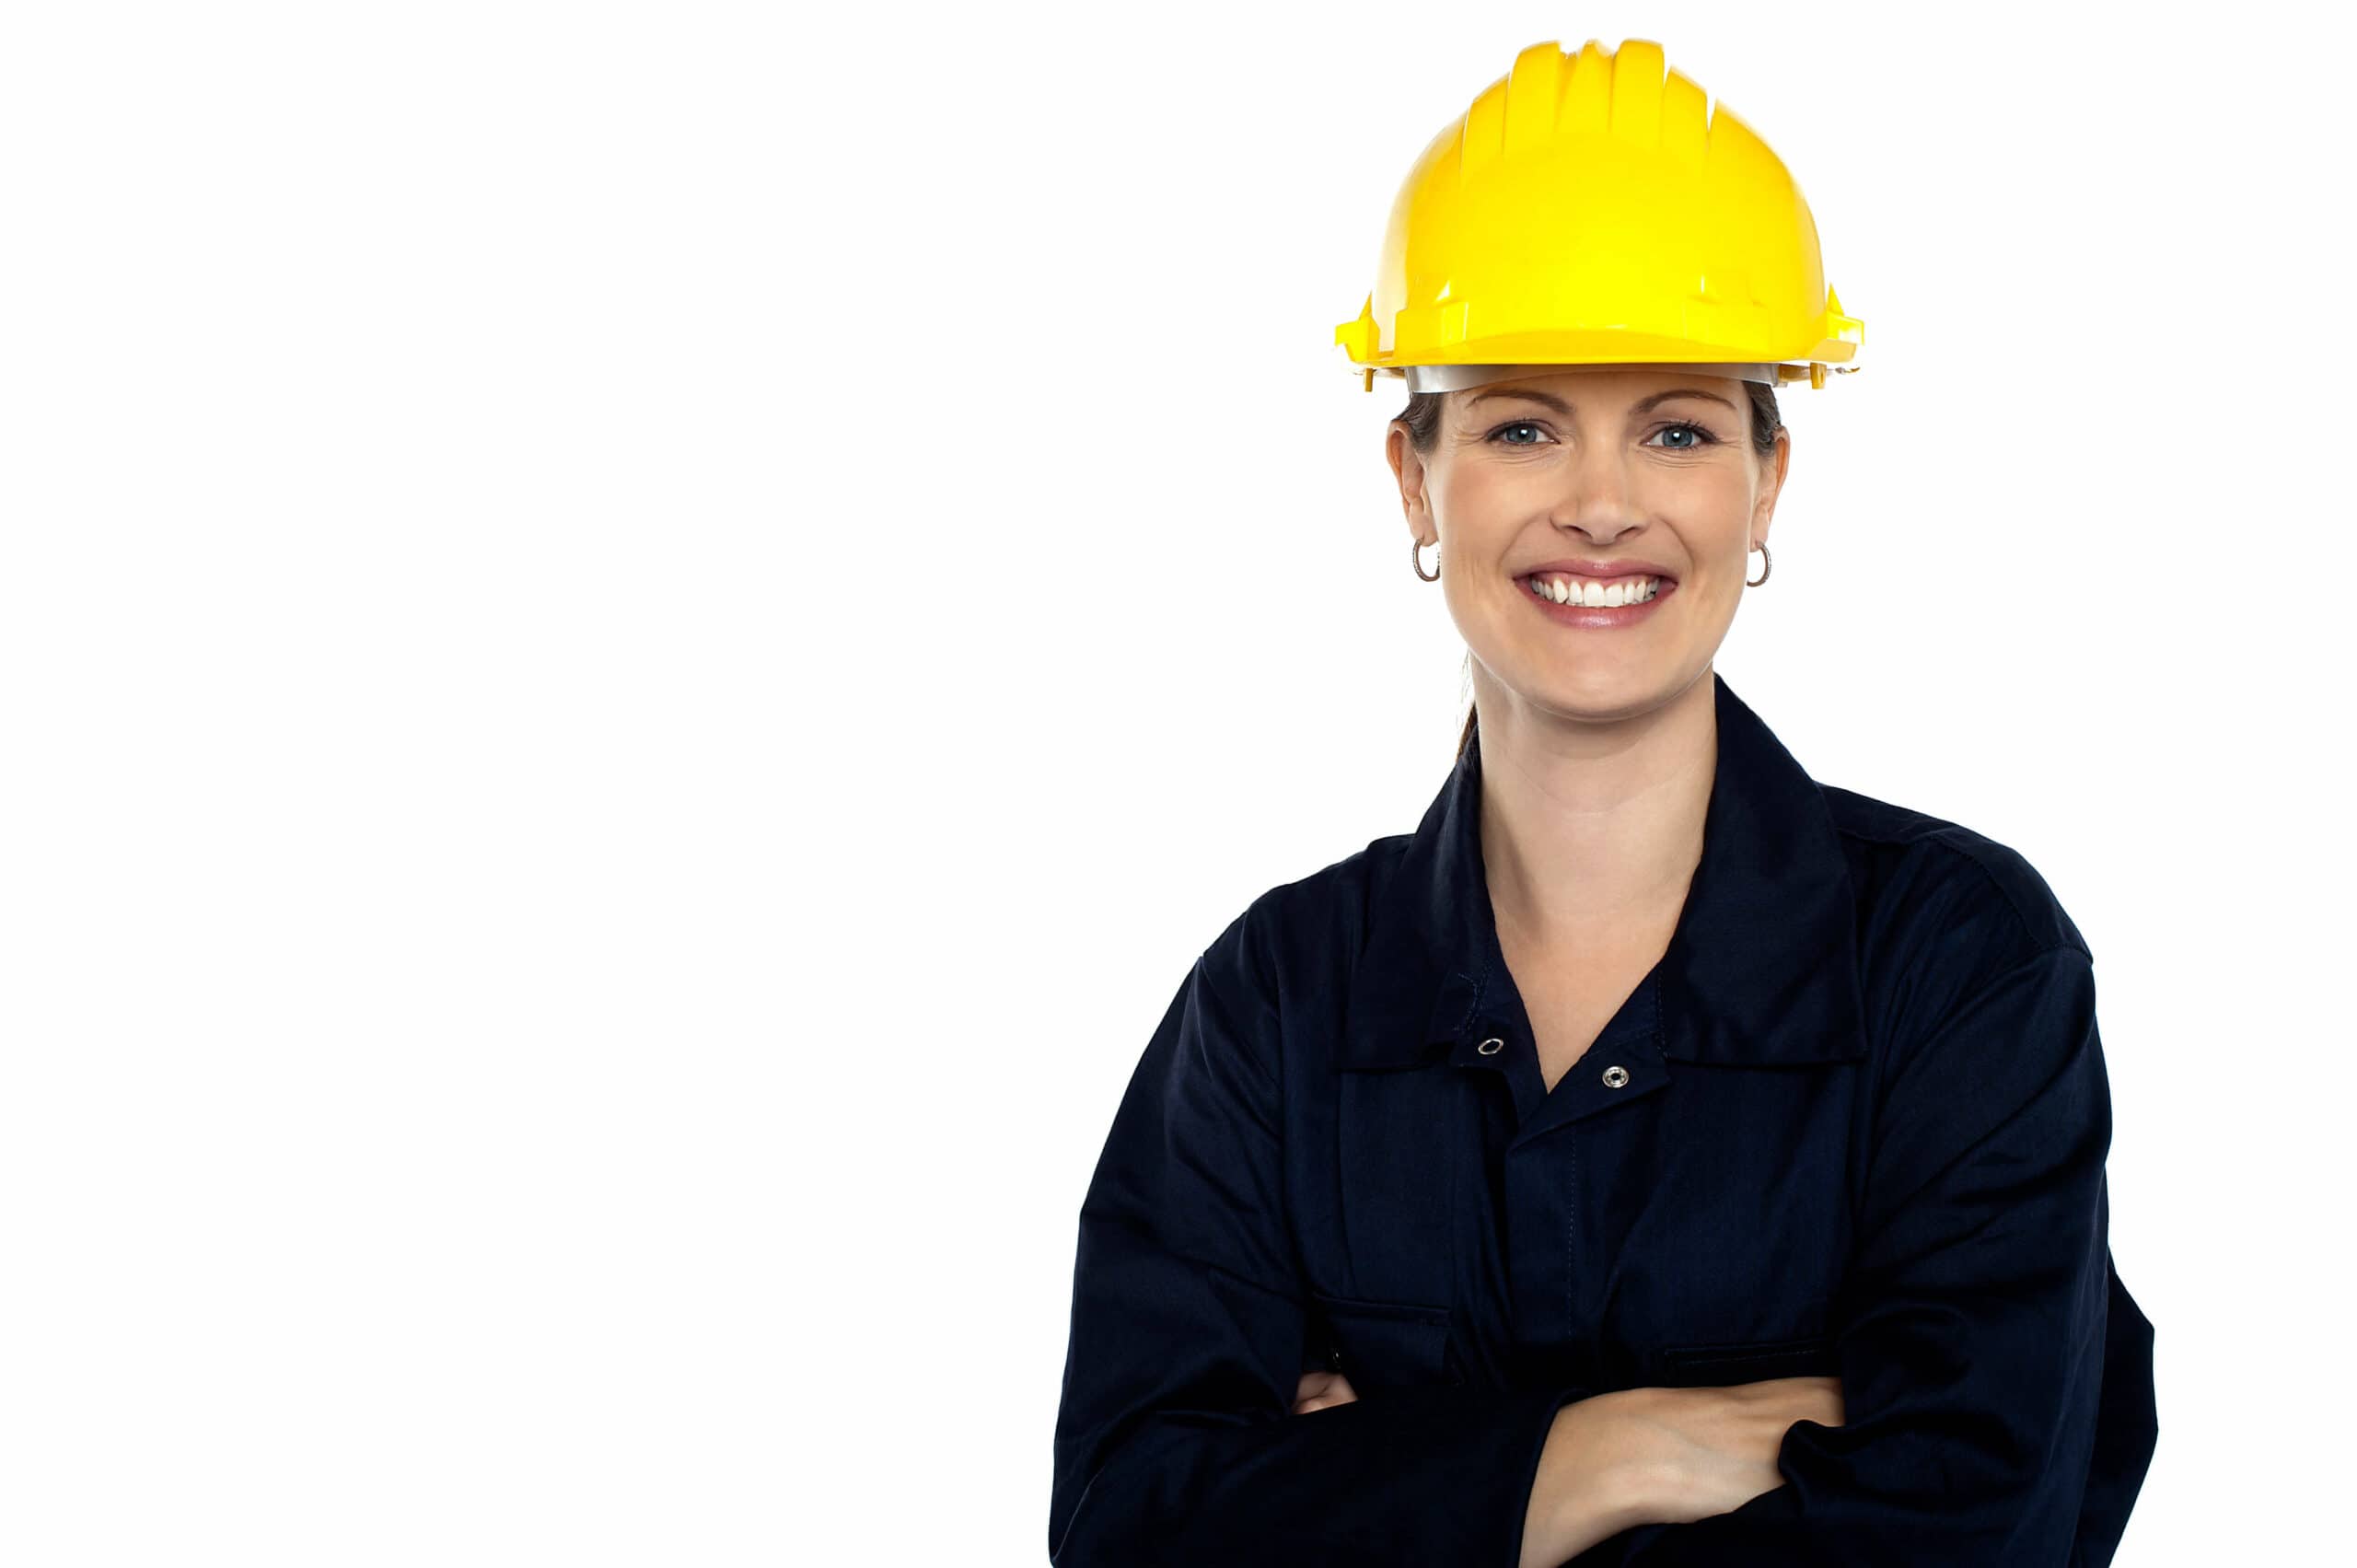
<point x="1702" y="436"/>
<point x="1695" y="436"/>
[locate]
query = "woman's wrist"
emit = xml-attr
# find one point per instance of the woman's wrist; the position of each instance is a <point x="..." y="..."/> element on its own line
<point x="1592" y="1482"/>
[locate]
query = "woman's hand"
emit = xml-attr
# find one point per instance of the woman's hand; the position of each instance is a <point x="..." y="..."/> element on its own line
<point x="1647" y="1455"/>
<point x="1711" y="1450"/>
<point x="1651" y="1455"/>
<point x="1319" y="1389"/>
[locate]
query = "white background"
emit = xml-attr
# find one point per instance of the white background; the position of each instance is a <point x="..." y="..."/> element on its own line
<point x="638" y="642"/>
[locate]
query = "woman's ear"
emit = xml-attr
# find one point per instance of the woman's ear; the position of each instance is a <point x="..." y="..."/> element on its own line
<point x="1409" y="470"/>
<point x="1772" y="484"/>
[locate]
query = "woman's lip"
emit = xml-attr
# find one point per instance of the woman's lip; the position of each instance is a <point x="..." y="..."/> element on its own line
<point x="1605" y="571"/>
<point x="1606" y="615"/>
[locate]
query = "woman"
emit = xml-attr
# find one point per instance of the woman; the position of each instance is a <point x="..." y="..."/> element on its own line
<point x="1658" y="1156"/>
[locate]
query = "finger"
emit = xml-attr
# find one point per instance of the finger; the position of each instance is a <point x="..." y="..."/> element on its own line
<point x="1319" y="1391"/>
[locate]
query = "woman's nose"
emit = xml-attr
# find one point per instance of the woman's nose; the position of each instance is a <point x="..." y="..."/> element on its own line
<point x="1598" y="494"/>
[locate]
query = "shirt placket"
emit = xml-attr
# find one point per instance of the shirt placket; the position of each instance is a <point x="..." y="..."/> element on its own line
<point x="1554" y="1134"/>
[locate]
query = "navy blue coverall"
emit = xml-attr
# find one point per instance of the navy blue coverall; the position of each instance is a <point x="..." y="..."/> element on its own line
<point x="1853" y="1122"/>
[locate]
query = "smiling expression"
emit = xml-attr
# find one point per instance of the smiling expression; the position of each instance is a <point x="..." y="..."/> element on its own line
<point x="1635" y="491"/>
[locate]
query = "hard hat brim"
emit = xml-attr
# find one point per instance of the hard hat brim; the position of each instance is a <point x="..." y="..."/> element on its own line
<point x="1456" y="378"/>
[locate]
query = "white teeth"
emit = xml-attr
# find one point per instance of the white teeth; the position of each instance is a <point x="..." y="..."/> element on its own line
<point x="1635" y="590"/>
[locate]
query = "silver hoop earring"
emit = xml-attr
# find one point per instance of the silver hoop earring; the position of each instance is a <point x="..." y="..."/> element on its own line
<point x="1416" y="556"/>
<point x="1767" y="564"/>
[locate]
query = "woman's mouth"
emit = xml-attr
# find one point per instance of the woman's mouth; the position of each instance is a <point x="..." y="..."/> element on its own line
<point x="1572" y="601"/>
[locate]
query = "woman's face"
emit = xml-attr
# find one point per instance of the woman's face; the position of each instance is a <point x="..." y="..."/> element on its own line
<point x="1582" y="467"/>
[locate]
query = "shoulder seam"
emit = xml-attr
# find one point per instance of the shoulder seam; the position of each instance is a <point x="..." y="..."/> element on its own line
<point x="1945" y="841"/>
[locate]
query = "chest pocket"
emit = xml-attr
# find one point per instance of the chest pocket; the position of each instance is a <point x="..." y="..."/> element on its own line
<point x="1746" y="1361"/>
<point x="1381" y="1344"/>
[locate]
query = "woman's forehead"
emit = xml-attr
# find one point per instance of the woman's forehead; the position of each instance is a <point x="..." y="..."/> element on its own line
<point x="1604" y="386"/>
<point x="1608" y="378"/>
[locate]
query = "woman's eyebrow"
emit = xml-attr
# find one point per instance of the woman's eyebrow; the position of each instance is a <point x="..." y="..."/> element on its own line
<point x="1640" y="406"/>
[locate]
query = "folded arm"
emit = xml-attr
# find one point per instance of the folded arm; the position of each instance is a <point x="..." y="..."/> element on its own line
<point x="1174" y="1440"/>
<point x="1972" y="1328"/>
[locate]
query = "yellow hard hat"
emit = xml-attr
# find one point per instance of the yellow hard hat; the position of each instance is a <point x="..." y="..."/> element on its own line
<point x="1588" y="210"/>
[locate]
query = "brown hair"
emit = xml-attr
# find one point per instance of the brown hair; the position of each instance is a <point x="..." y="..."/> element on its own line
<point x="1421" y="416"/>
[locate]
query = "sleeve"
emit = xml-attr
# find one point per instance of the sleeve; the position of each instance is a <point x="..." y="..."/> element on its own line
<point x="1175" y="1441"/>
<point x="1972" y="1323"/>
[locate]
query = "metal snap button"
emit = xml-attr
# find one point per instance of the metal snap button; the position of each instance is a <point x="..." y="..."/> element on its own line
<point x="1615" y="1076"/>
<point x="1491" y="1047"/>
<point x="1334" y="1361"/>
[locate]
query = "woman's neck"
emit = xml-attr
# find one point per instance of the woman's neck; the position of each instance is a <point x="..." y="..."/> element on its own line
<point x="1589" y="829"/>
